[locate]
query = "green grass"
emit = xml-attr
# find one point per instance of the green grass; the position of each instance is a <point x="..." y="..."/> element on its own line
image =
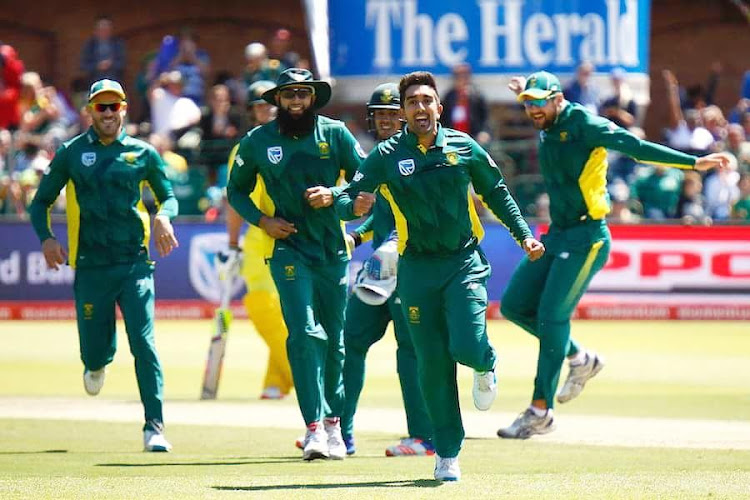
<point x="655" y="369"/>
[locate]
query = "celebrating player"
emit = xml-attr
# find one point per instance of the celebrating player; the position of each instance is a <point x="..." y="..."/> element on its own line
<point x="543" y="294"/>
<point x="374" y="305"/>
<point x="426" y="173"/>
<point x="261" y="299"/>
<point x="108" y="232"/>
<point x="308" y="259"/>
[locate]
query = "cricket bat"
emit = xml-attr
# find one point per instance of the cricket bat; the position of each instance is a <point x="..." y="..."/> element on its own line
<point x="221" y="324"/>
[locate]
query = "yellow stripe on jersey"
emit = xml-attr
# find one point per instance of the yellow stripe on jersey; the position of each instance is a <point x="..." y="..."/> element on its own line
<point x="402" y="227"/>
<point x="143" y="213"/>
<point x="583" y="274"/>
<point x="593" y="184"/>
<point x="673" y="165"/>
<point x="256" y="241"/>
<point x="73" y="213"/>
<point x="476" y="224"/>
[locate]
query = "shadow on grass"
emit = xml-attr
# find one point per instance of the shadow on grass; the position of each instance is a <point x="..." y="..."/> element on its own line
<point x="419" y="483"/>
<point x="243" y="461"/>
<point x="31" y="452"/>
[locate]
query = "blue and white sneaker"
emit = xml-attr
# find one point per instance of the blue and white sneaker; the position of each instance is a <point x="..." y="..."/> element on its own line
<point x="351" y="449"/>
<point x="447" y="469"/>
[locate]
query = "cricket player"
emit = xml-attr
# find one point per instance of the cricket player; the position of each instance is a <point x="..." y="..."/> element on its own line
<point x="543" y="294"/>
<point x="261" y="299"/>
<point x="297" y="151"/>
<point x="426" y="173"/>
<point x="367" y="318"/>
<point x="104" y="171"/>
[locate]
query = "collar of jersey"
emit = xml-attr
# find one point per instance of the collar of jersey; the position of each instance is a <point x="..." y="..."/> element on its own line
<point x="412" y="140"/>
<point x="94" y="137"/>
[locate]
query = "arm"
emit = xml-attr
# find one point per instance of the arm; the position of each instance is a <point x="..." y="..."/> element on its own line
<point x="352" y="154"/>
<point x="490" y="186"/>
<point x="673" y="98"/>
<point x="164" y="237"/>
<point x="242" y="180"/>
<point x="49" y="188"/>
<point x="367" y="179"/>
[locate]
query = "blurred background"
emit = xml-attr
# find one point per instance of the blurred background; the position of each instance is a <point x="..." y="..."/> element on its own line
<point x="672" y="71"/>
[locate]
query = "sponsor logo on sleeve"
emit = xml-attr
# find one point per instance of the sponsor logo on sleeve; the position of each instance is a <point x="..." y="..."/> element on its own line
<point x="239" y="161"/>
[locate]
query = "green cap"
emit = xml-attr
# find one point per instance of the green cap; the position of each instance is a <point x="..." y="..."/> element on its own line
<point x="385" y="96"/>
<point x="540" y="85"/>
<point x="106" y="85"/>
<point x="256" y="90"/>
<point x="300" y="77"/>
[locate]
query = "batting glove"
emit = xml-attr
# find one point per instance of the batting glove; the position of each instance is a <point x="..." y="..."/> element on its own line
<point x="229" y="263"/>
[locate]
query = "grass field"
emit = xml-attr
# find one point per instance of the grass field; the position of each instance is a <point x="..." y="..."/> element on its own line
<point x="685" y="371"/>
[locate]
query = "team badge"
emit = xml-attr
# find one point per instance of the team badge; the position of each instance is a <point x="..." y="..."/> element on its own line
<point x="413" y="314"/>
<point x="88" y="159"/>
<point x="129" y="157"/>
<point x="275" y="154"/>
<point x="325" y="150"/>
<point x="563" y="136"/>
<point x="289" y="272"/>
<point x="452" y="158"/>
<point x="387" y="96"/>
<point x="406" y="167"/>
<point x="88" y="311"/>
<point x="358" y="176"/>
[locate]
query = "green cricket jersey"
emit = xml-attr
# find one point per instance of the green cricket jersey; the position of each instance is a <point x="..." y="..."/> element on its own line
<point x="288" y="166"/>
<point x="380" y="224"/>
<point x="429" y="191"/>
<point x="573" y="161"/>
<point x="107" y="221"/>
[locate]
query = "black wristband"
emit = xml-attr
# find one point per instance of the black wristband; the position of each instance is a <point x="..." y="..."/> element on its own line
<point x="357" y="238"/>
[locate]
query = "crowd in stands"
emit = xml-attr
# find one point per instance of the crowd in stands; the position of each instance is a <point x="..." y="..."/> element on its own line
<point x="193" y="116"/>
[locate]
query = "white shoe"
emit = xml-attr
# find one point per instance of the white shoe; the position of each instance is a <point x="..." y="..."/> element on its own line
<point x="93" y="381"/>
<point x="527" y="424"/>
<point x="155" y="441"/>
<point x="272" y="393"/>
<point x="316" y="442"/>
<point x="447" y="469"/>
<point x="578" y="376"/>
<point x="485" y="389"/>
<point x="336" y="445"/>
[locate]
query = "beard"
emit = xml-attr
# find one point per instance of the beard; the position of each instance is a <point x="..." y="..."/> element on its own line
<point x="295" y="126"/>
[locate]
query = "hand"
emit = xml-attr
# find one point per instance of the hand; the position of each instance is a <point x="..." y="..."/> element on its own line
<point x="351" y="243"/>
<point x="516" y="84"/>
<point x="276" y="227"/>
<point x="319" y="197"/>
<point x="669" y="77"/>
<point x="720" y="160"/>
<point x="363" y="203"/>
<point x="54" y="253"/>
<point x="229" y="263"/>
<point x="534" y="248"/>
<point x="383" y="264"/>
<point x="164" y="237"/>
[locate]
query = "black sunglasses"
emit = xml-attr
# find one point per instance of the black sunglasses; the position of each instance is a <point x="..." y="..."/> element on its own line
<point x="303" y="93"/>
<point x="101" y="107"/>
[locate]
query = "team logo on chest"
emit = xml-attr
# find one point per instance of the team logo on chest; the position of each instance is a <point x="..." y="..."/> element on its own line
<point x="406" y="167"/>
<point x="325" y="150"/>
<point x="275" y="154"/>
<point x="452" y="158"/>
<point x="88" y="159"/>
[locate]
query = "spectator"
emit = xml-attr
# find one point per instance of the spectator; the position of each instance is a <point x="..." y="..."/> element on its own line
<point x="620" y="108"/>
<point x="582" y="90"/>
<point x="714" y="121"/>
<point x="280" y="49"/>
<point x="697" y="96"/>
<point x="722" y="191"/>
<point x="103" y="56"/>
<point x="619" y="195"/>
<point x="172" y="113"/>
<point x="221" y="120"/>
<point x="691" y="206"/>
<point x="741" y="209"/>
<point x="258" y="66"/>
<point x="11" y="69"/>
<point x="464" y="107"/>
<point x="193" y="64"/>
<point x="685" y="131"/>
<point x="657" y="189"/>
<point x="737" y="144"/>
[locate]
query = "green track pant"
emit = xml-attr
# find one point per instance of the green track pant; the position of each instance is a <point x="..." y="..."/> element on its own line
<point x="313" y="299"/>
<point x="445" y="303"/>
<point x="131" y="286"/>
<point x="364" y="326"/>
<point x="542" y="296"/>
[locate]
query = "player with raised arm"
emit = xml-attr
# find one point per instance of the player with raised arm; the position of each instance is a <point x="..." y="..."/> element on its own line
<point x="543" y="294"/>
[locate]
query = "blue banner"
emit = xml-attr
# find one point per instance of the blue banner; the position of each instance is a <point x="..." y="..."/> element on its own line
<point x="189" y="272"/>
<point x="393" y="37"/>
